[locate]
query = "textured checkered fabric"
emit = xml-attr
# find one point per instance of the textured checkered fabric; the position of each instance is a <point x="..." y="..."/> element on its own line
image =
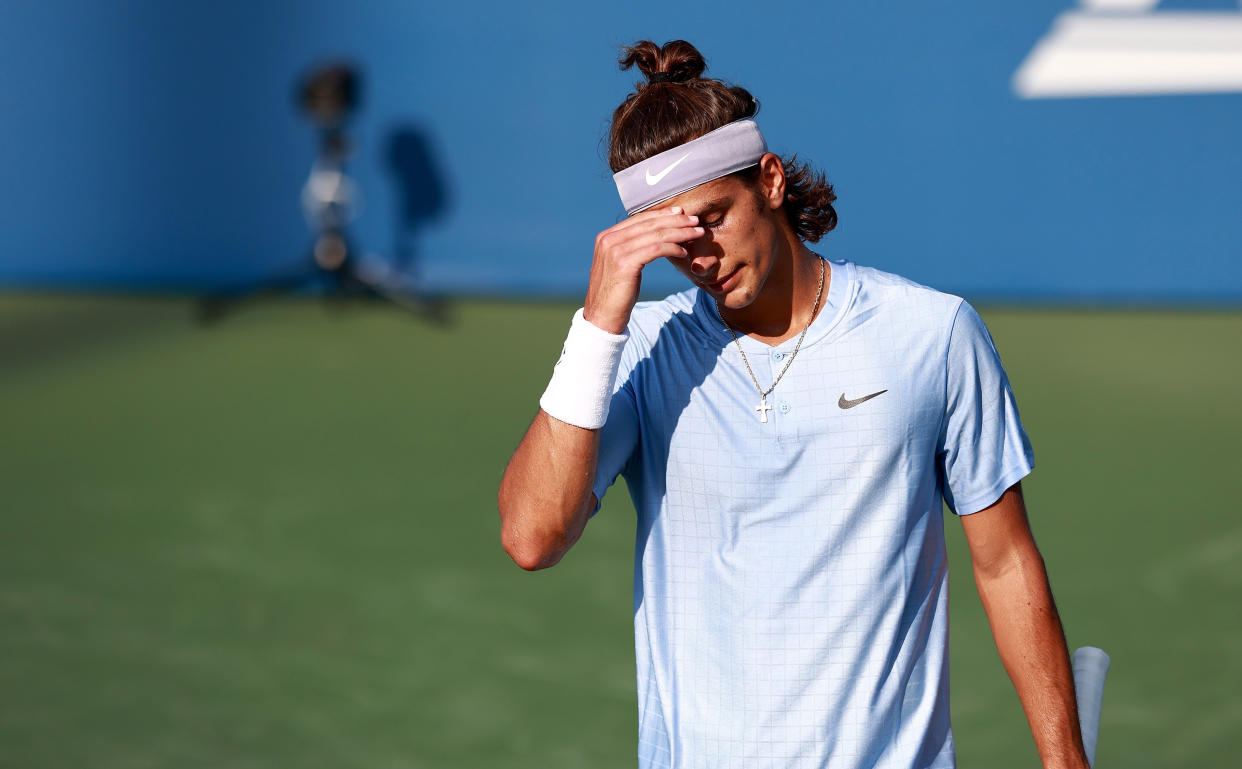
<point x="790" y="592"/>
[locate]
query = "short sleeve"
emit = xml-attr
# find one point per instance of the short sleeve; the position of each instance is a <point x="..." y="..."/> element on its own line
<point x="982" y="448"/>
<point x="618" y="438"/>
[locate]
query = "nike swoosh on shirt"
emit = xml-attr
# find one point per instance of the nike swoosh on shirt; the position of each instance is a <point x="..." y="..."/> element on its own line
<point x="849" y="404"/>
<point x="654" y="179"/>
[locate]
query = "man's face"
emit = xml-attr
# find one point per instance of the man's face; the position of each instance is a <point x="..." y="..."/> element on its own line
<point x="732" y="259"/>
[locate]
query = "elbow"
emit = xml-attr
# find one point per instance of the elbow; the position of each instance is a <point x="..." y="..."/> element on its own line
<point x="530" y="558"/>
<point x="531" y="548"/>
<point x="1024" y="565"/>
<point x="529" y="552"/>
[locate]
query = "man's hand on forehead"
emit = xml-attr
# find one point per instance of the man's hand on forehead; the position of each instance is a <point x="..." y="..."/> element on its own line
<point x="621" y="253"/>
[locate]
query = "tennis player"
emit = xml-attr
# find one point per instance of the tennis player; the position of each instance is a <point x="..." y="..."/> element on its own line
<point x="787" y="428"/>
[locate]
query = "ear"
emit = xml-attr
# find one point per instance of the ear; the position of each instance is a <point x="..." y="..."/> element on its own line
<point x="772" y="180"/>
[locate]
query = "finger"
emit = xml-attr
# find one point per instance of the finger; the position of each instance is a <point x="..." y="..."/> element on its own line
<point x="636" y="229"/>
<point x="660" y="250"/>
<point x="638" y="239"/>
<point x="654" y="217"/>
<point x="681" y="234"/>
<point x="669" y="241"/>
<point x="619" y="244"/>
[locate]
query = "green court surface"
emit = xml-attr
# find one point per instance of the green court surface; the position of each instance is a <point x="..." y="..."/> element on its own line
<point x="272" y="541"/>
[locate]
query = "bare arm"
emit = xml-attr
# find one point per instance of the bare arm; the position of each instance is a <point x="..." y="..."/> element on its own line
<point x="546" y="492"/>
<point x="1013" y="584"/>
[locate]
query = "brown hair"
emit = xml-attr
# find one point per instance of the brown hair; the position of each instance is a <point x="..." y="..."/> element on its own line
<point x="677" y="104"/>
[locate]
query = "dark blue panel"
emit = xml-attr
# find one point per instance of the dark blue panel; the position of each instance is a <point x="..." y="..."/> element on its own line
<point x="157" y="144"/>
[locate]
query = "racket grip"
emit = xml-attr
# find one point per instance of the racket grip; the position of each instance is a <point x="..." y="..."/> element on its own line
<point x="1090" y="667"/>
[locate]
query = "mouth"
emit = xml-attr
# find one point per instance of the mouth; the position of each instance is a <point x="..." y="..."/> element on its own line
<point x="724" y="284"/>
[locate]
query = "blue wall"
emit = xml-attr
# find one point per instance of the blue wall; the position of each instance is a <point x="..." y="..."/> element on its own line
<point x="156" y="144"/>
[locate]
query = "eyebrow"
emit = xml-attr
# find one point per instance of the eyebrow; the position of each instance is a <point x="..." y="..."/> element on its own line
<point x="713" y="204"/>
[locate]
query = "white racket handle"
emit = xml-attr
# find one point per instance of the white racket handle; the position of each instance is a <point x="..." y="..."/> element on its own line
<point x="1090" y="666"/>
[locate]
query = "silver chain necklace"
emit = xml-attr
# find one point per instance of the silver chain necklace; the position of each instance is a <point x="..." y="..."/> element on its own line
<point x="763" y="408"/>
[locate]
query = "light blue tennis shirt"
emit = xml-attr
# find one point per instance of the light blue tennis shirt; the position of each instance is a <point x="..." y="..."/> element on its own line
<point x="791" y="587"/>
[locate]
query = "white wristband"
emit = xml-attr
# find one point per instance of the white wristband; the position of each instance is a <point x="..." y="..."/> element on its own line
<point x="581" y="386"/>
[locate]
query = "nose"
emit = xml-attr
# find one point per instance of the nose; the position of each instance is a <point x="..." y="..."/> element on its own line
<point x="701" y="265"/>
<point x="702" y="256"/>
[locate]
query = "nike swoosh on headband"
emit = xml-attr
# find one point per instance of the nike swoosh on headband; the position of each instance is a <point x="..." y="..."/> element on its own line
<point x="718" y="153"/>
<point x="849" y="404"/>
<point x="654" y="179"/>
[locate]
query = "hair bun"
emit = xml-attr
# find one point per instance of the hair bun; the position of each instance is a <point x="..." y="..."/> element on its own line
<point x="675" y="62"/>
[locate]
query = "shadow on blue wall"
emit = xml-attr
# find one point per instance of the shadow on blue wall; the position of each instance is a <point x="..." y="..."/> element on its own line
<point x="422" y="194"/>
<point x="328" y="95"/>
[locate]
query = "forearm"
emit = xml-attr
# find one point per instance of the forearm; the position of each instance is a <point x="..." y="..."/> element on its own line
<point x="546" y="493"/>
<point x="1020" y="608"/>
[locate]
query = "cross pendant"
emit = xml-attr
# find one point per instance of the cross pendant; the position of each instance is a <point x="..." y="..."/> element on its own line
<point x="763" y="408"/>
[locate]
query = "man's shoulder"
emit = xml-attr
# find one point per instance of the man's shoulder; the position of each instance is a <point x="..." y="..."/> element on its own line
<point x="891" y="285"/>
<point x="890" y="292"/>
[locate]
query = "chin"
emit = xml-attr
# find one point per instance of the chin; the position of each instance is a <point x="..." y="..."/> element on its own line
<point x="737" y="299"/>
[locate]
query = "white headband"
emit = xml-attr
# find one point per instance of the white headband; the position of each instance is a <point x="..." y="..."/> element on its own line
<point x="729" y="148"/>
